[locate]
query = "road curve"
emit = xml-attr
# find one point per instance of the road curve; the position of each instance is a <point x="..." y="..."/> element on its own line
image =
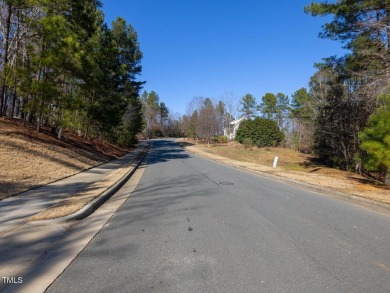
<point x="193" y="225"/>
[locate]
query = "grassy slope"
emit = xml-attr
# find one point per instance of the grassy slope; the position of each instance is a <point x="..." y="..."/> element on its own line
<point x="29" y="159"/>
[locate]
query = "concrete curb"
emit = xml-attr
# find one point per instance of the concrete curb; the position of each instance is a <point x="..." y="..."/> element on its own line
<point x="92" y="206"/>
<point x="311" y="187"/>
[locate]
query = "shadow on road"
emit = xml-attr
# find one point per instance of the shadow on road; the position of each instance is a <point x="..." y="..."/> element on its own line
<point x="166" y="150"/>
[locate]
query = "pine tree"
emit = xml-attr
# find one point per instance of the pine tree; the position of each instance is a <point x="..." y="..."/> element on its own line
<point x="282" y="109"/>
<point x="268" y="106"/>
<point x="346" y="89"/>
<point x="207" y="123"/>
<point x="303" y="117"/>
<point x="363" y="26"/>
<point x="376" y="140"/>
<point x="248" y="103"/>
<point x="164" y="112"/>
<point x="68" y="69"/>
<point x="151" y="111"/>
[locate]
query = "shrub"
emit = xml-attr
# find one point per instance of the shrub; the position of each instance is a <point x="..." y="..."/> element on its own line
<point x="264" y="132"/>
<point x="222" y="139"/>
<point x="248" y="142"/>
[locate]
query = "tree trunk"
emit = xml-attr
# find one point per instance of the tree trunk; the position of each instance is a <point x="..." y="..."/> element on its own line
<point x="60" y="133"/>
<point x="5" y="57"/>
<point x="24" y="120"/>
<point x="38" y="124"/>
<point x="387" y="178"/>
<point x="86" y="132"/>
<point x="13" y="104"/>
<point x="17" y="109"/>
<point x="16" y="56"/>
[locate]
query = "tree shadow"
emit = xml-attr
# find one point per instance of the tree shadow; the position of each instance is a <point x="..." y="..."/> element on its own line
<point x="166" y="150"/>
<point x="313" y="162"/>
<point x="39" y="248"/>
<point x="83" y="159"/>
<point x="369" y="181"/>
<point x="148" y="204"/>
<point x="185" y="143"/>
<point x="8" y="189"/>
<point x="151" y="202"/>
<point x="101" y="168"/>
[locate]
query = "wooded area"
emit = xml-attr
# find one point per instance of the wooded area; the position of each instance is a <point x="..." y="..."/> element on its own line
<point x="62" y="66"/>
<point x="351" y="93"/>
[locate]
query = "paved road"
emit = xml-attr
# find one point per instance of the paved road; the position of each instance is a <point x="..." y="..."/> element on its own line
<point x="197" y="226"/>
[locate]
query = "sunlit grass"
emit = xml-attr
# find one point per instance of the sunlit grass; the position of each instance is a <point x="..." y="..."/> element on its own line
<point x="288" y="159"/>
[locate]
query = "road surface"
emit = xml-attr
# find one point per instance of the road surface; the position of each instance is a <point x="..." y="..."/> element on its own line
<point x="193" y="225"/>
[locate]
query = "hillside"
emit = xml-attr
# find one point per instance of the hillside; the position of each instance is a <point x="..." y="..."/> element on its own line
<point x="29" y="159"/>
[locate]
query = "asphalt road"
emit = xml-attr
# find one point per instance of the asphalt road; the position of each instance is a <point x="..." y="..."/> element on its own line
<point x="193" y="225"/>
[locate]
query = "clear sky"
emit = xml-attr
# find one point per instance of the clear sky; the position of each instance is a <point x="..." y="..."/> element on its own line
<point x="215" y="48"/>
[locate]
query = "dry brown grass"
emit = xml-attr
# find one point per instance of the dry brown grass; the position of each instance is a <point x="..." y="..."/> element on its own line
<point x="29" y="159"/>
<point x="288" y="159"/>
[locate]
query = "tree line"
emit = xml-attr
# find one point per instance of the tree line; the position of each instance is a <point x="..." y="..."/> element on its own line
<point x="344" y="114"/>
<point x="293" y="116"/>
<point x="62" y="66"/>
<point x="157" y="120"/>
<point x="351" y="93"/>
<point x="208" y="119"/>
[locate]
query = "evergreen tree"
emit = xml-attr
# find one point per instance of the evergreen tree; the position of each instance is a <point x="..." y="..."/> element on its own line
<point x="68" y="68"/>
<point x="106" y="105"/>
<point x="303" y="117"/>
<point x="346" y="89"/>
<point x="339" y="117"/>
<point x="207" y="123"/>
<point x="363" y="27"/>
<point x="193" y="130"/>
<point x="376" y="140"/>
<point x="282" y="109"/>
<point x="302" y="105"/>
<point x="151" y="111"/>
<point x="220" y="111"/>
<point x="131" y="123"/>
<point x="164" y="114"/>
<point x="129" y="55"/>
<point x="248" y="103"/>
<point x="268" y="106"/>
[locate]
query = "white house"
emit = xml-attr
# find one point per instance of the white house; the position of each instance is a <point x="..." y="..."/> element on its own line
<point x="235" y="124"/>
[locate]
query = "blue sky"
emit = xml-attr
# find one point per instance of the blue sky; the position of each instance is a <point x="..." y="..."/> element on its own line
<point x="215" y="48"/>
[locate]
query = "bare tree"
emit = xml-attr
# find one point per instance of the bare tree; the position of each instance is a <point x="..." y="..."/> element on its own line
<point x="232" y="106"/>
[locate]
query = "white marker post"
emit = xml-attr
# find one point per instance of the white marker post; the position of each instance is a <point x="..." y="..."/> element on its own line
<point x="275" y="161"/>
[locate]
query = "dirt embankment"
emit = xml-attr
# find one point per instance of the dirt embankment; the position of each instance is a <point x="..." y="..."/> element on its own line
<point x="29" y="159"/>
<point x="295" y="166"/>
